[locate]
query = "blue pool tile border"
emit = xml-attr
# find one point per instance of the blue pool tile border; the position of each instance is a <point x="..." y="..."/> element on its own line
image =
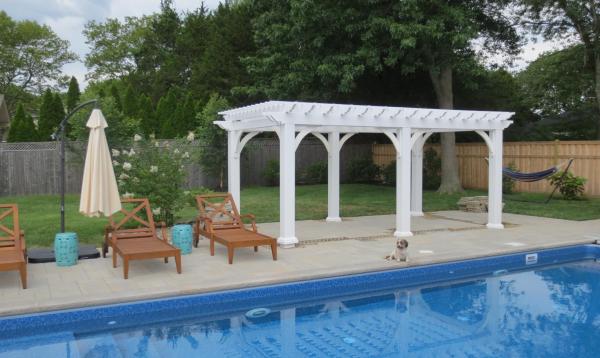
<point x="222" y="302"/>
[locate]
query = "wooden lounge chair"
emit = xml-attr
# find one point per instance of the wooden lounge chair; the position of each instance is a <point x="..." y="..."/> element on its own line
<point x="137" y="243"/>
<point x="12" y="242"/>
<point x="220" y="221"/>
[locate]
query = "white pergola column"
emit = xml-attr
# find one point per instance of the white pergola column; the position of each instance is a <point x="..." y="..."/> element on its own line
<point x="416" y="193"/>
<point x="287" y="186"/>
<point x="495" y="181"/>
<point x="333" y="178"/>
<point x="403" y="156"/>
<point x="233" y="165"/>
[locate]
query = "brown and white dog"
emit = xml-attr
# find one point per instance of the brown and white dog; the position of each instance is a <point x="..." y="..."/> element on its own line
<point x="400" y="253"/>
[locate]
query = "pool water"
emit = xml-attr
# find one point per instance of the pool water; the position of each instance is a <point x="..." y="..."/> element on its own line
<point x="546" y="312"/>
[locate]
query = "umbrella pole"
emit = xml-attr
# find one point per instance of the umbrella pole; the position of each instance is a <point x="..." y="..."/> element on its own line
<point x="63" y="139"/>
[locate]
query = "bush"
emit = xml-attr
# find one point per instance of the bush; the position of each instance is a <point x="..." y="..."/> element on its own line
<point x="190" y="195"/>
<point x="388" y="173"/>
<point x="570" y="186"/>
<point x="316" y="173"/>
<point x="363" y="171"/>
<point x="432" y="170"/>
<point x="508" y="184"/>
<point x="153" y="170"/>
<point x="271" y="173"/>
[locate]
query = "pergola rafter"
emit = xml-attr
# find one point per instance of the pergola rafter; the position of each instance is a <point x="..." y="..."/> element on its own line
<point x="407" y="128"/>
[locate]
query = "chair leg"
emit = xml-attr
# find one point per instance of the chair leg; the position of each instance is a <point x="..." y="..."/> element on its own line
<point x="23" y="272"/>
<point x="125" y="267"/>
<point x="212" y="247"/>
<point x="114" y="258"/>
<point x="178" y="262"/>
<point x="230" y="254"/>
<point x="104" y="249"/>
<point x="255" y="248"/>
<point x="166" y="260"/>
<point x="274" y="250"/>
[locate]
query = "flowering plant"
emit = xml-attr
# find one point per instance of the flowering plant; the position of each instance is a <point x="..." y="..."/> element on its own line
<point x="153" y="170"/>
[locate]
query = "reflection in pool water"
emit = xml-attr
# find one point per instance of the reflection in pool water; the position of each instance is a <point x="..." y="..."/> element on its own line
<point x="551" y="312"/>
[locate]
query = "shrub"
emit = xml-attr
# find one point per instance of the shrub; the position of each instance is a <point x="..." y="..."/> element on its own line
<point x="363" y="171"/>
<point x="316" y="173"/>
<point x="508" y="184"/>
<point x="388" y="173"/>
<point x="153" y="170"/>
<point x="190" y="195"/>
<point x="432" y="168"/>
<point x="570" y="186"/>
<point x="271" y="173"/>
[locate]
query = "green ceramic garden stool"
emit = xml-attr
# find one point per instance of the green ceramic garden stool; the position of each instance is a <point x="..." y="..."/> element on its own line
<point x="66" y="249"/>
<point x="181" y="236"/>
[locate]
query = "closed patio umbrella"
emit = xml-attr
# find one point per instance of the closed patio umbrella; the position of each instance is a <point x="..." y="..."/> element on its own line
<point x="99" y="191"/>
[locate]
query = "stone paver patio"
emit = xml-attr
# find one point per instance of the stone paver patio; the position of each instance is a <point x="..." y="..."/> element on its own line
<point x="326" y="249"/>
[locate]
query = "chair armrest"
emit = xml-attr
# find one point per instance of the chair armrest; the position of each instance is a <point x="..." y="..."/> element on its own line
<point x="253" y="220"/>
<point x="163" y="230"/>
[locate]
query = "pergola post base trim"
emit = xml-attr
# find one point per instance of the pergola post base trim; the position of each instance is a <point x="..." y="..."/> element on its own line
<point x="417" y="213"/>
<point x="403" y="234"/>
<point x="494" y="226"/>
<point x="287" y="242"/>
<point x="333" y="220"/>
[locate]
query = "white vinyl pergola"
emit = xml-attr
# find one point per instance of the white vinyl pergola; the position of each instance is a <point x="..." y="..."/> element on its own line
<point x="334" y="124"/>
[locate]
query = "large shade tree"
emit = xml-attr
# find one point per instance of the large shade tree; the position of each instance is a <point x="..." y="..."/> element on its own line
<point x="31" y="58"/>
<point x="321" y="50"/>
<point x="570" y="19"/>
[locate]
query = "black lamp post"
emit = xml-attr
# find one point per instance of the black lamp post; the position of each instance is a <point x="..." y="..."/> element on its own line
<point x="60" y="134"/>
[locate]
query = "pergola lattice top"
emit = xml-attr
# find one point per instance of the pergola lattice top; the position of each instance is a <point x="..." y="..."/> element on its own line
<point x="325" y="117"/>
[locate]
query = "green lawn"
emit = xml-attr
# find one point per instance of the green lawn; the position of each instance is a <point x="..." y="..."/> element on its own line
<point x="40" y="214"/>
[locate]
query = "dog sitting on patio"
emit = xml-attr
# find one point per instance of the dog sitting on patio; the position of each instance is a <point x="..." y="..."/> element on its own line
<point x="400" y="253"/>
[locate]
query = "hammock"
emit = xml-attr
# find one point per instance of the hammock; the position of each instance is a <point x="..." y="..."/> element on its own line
<point x="535" y="176"/>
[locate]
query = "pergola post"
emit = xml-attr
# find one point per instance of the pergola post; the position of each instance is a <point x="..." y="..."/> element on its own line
<point x="333" y="178"/>
<point x="495" y="181"/>
<point x="403" y="167"/>
<point x="287" y="186"/>
<point x="416" y="193"/>
<point x="233" y="165"/>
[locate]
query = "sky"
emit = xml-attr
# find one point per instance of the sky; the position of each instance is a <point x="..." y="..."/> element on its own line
<point x="68" y="17"/>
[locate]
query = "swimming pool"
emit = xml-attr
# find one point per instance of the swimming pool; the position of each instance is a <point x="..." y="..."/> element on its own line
<point x="544" y="303"/>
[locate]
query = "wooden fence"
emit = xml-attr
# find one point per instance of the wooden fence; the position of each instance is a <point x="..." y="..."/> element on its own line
<point x="34" y="168"/>
<point x="526" y="156"/>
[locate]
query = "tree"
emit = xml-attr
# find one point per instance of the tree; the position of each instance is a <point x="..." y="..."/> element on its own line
<point x="31" y="58"/>
<point x="73" y="94"/>
<point x="438" y="36"/>
<point x="213" y="140"/>
<point x="147" y="116"/>
<point x="165" y="111"/>
<point x="130" y="102"/>
<point x="321" y="49"/>
<point x="114" y="46"/>
<point x="184" y="118"/>
<point x="50" y="115"/>
<point x="574" y="19"/>
<point x="114" y="92"/>
<point x="22" y="128"/>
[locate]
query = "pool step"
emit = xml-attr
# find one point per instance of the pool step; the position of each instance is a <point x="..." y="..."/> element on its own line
<point x="60" y="344"/>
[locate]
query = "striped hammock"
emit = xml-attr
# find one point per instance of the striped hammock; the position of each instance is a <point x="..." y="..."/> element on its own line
<point x="535" y="176"/>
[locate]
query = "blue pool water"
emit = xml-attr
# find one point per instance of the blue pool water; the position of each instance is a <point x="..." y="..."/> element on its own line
<point x="550" y="311"/>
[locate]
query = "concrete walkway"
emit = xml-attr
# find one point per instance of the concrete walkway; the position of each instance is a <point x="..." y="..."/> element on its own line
<point x="326" y="249"/>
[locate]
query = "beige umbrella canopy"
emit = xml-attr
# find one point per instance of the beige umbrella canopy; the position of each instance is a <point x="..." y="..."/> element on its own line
<point x="99" y="191"/>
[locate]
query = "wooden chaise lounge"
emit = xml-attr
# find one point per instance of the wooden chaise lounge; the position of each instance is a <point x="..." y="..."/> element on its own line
<point x="137" y="243"/>
<point x="12" y="242"/>
<point x="220" y="221"/>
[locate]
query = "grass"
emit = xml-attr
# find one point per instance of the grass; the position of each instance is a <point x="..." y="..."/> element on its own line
<point x="40" y="213"/>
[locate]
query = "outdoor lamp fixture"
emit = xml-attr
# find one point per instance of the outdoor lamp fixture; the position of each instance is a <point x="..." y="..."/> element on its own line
<point x="60" y="134"/>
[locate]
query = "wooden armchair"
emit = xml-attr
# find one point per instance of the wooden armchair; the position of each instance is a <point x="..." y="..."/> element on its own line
<point x="12" y="242"/>
<point x="220" y="221"/>
<point x="141" y="241"/>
